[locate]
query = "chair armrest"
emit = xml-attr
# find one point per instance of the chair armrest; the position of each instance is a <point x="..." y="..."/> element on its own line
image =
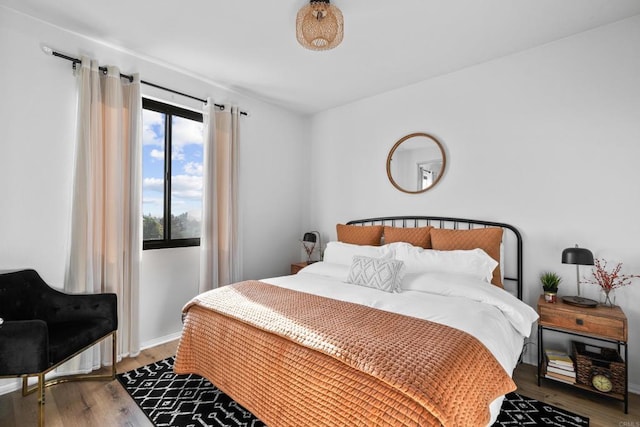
<point x="23" y="347"/>
<point x="61" y="307"/>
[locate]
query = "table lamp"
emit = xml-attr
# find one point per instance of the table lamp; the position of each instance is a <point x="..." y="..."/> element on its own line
<point x="578" y="256"/>
<point x="309" y="241"/>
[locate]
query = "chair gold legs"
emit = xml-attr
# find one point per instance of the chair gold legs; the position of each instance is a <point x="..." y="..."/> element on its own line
<point x="41" y="400"/>
<point x="42" y="383"/>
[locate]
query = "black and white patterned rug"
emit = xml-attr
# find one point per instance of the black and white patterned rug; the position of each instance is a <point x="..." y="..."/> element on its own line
<point x="519" y="410"/>
<point x="171" y="400"/>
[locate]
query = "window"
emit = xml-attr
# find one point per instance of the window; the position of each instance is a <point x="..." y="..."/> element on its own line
<point x="171" y="185"/>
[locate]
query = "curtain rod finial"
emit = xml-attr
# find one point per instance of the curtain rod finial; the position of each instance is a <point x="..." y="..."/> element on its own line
<point x="46" y="49"/>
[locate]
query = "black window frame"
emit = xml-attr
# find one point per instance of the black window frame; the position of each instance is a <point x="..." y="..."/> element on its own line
<point x="169" y="111"/>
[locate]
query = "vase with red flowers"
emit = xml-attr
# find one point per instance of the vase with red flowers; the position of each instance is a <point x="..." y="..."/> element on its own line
<point x="609" y="280"/>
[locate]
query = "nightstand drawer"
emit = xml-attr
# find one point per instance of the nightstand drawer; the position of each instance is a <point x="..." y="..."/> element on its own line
<point x="607" y="327"/>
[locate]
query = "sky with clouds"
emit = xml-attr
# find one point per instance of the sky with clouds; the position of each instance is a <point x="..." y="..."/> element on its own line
<point x="186" y="165"/>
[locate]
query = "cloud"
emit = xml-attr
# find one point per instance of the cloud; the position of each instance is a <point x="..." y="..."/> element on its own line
<point x="153" y="184"/>
<point x="153" y="128"/>
<point x="193" y="168"/>
<point x="186" y="187"/>
<point x="184" y="132"/>
<point x="157" y="154"/>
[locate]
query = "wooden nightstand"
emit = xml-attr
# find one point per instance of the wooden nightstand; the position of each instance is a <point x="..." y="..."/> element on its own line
<point x="298" y="266"/>
<point x="608" y="324"/>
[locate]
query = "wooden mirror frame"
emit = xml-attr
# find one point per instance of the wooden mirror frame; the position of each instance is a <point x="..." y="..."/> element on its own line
<point x="397" y="144"/>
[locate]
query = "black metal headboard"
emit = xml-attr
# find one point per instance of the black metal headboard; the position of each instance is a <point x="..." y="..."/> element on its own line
<point x="512" y="240"/>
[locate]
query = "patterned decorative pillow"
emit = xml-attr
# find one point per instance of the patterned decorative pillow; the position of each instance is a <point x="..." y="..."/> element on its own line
<point x="488" y="239"/>
<point x="378" y="273"/>
<point x="417" y="236"/>
<point x="359" y="234"/>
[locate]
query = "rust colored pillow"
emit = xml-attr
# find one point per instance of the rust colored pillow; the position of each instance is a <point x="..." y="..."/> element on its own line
<point x="417" y="236"/>
<point x="360" y="235"/>
<point x="487" y="239"/>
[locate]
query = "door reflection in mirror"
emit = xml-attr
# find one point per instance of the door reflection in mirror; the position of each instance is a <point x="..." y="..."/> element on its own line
<point x="428" y="173"/>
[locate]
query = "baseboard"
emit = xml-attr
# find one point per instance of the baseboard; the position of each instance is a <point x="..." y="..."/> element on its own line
<point x="12" y="384"/>
<point x="161" y="340"/>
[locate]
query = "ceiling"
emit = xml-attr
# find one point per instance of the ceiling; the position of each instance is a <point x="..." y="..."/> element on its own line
<point x="249" y="46"/>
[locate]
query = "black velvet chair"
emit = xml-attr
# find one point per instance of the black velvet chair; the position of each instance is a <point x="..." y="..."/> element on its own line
<point x="41" y="328"/>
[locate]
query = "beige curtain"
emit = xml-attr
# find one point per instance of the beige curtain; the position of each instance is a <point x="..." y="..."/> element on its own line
<point x="220" y="262"/>
<point x="106" y="244"/>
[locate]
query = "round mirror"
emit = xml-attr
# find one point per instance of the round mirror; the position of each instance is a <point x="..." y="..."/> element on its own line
<point x="416" y="163"/>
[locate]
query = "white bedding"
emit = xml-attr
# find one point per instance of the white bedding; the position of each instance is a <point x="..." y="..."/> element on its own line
<point x="496" y="318"/>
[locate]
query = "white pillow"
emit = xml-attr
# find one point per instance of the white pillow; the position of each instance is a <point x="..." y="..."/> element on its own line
<point x="343" y="253"/>
<point x="475" y="263"/>
<point x="377" y="273"/>
<point x="326" y="269"/>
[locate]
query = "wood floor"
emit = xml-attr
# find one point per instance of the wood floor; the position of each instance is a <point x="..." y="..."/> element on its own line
<point x="106" y="404"/>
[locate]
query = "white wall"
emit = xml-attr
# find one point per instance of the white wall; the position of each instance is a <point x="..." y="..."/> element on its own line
<point x="37" y="110"/>
<point x="547" y="140"/>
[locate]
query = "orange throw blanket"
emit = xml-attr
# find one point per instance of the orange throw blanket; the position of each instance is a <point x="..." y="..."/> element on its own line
<point x="293" y="358"/>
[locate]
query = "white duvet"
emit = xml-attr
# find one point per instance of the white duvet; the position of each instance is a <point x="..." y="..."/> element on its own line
<point x="496" y="318"/>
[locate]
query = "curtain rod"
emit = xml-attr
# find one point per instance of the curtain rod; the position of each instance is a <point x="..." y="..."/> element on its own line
<point x="75" y="61"/>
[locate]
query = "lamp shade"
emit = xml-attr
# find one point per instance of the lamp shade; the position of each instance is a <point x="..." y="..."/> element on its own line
<point x="319" y="25"/>
<point x="309" y="237"/>
<point x="580" y="256"/>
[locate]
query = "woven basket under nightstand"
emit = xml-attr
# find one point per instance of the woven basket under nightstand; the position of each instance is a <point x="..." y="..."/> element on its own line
<point x="606" y="361"/>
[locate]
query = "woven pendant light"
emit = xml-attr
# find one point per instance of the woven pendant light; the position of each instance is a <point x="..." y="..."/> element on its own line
<point x="319" y="25"/>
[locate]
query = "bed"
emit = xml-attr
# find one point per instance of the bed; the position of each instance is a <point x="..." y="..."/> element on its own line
<point x="422" y="327"/>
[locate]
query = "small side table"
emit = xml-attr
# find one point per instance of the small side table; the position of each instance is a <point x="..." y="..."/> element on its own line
<point x="608" y="324"/>
<point x="298" y="266"/>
